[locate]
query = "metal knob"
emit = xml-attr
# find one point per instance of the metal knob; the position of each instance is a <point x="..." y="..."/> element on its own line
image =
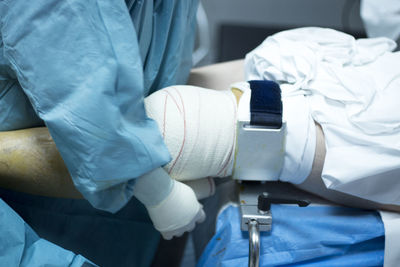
<point x="265" y="200"/>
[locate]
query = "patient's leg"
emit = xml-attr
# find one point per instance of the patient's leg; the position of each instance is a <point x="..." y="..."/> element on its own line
<point x="218" y="76"/>
<point x="31" y="163"/>
<point x="315" y="184"/>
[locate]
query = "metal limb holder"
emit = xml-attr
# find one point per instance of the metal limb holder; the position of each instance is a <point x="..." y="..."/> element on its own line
<point x="256" y="216"/>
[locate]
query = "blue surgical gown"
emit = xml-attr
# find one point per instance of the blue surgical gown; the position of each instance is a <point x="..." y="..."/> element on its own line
<point x="36" y="251"/>
<point x="82" y="68"/>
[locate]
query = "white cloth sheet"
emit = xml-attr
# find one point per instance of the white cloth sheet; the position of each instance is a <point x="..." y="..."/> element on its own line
<point x="353" y="91"/>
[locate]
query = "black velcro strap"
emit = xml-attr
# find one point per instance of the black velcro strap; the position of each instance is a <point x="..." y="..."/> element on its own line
<point x="265" y="104"/>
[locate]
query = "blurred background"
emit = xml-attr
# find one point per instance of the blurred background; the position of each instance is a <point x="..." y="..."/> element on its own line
<point x="228" y="29"/>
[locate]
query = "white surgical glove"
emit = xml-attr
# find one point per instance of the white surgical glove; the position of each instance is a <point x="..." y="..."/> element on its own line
<point x="172" y="205"/>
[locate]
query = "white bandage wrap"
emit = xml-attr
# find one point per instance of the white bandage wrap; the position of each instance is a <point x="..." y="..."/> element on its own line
<point x="173" y="207"/>
<point x="203" y="188"/>
<point x="198" y="126"/>
<point x="178" y="213"/>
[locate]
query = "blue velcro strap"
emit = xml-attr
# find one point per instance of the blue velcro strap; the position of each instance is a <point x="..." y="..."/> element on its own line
<point x="265" y="104"/>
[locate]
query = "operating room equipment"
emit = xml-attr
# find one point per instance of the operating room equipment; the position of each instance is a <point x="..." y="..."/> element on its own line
<point x="260" y="134"/>
<point x="256" y="216"/>
<point x="320" y="234"/>
<point x="260" y="148"/>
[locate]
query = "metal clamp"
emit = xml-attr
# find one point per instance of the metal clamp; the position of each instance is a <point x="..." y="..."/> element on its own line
<point x="254" y="221"/>
<point x="256" y="217"/>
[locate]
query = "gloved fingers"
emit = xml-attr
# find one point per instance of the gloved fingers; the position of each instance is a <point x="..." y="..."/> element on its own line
<point x="203" y="188"/>
<point x="199" y="218"/>
<point x="178" y="213"/>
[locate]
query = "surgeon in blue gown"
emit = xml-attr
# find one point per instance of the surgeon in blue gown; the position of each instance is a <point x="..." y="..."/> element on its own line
<point x="83" y="68"/>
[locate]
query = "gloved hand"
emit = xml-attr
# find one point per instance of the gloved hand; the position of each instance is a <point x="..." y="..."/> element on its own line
<point x="172" y="205"/>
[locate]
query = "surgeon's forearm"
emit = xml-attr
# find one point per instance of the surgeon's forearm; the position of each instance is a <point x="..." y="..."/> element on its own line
<point x="30" y="163"/>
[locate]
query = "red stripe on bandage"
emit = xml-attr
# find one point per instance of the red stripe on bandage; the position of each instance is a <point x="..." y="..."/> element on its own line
<point x="211" y="186"/>
<point x="165" y="115"/>
<point x="184" y="131"/>
<point x="173" y="99"/>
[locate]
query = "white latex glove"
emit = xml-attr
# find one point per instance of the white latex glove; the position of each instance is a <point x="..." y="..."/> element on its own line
<point x="172" y="205"/>
<point x="178" y="213"/>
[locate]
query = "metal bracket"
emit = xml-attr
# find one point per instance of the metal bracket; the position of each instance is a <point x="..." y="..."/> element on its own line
<point x="256" y="216"/>
<point x="250" y="212"/>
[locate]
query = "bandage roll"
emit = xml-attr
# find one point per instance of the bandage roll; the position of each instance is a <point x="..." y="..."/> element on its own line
<point x="198" y="126"/>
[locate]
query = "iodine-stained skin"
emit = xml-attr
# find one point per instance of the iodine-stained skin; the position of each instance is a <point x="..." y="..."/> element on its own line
<point x="31" y="163"/>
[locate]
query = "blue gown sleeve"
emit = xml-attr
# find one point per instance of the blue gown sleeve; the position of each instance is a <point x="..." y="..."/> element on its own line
<point x="79" y="64"/>
<point x="21" y="246"/>
<point x="15" y="110"/>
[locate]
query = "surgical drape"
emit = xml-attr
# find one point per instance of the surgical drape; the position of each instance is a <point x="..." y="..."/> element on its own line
<point x="35" y="251"/>
<point x="308" y="236"/>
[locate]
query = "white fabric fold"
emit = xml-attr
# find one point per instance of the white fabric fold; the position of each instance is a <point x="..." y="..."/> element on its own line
<point x="353" y="91"/>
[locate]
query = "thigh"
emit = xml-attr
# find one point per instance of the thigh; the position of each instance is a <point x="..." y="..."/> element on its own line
<point x="30" y="163"/>
<point x="218" y="76"/>
<point x="314" y="183"/>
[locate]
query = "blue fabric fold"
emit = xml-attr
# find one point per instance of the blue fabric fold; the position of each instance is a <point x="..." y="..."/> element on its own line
<point x="307" y="236"/>
<point x="125" y="238"/>
<point x="21" y="246"/>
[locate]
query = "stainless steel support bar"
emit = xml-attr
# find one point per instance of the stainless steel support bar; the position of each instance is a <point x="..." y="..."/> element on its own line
<point x="254" y="244"/>
<point x="255" y="201"/>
